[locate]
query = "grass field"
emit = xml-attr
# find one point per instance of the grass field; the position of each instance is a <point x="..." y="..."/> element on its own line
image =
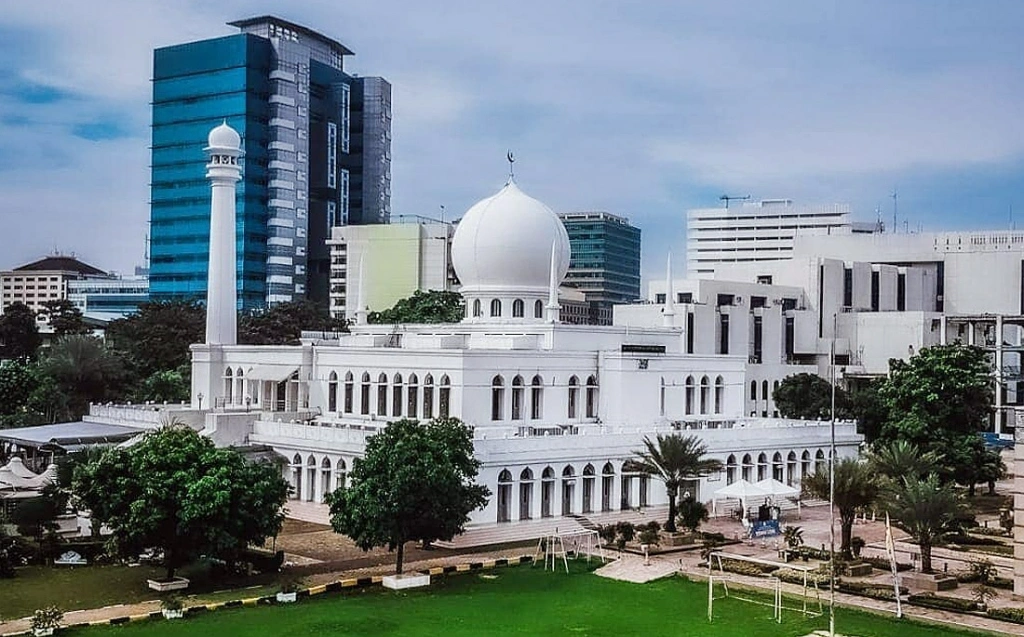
<point x="520" y="601"/>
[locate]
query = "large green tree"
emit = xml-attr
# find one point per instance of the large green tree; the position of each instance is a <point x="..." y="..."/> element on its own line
<point x="856" y="486"/>
<point x="85" y="370"/>
<point x="926" y="509"/>
<point x="673" y="459"/>
<point x="808" y="397"/>
<point x="19" y="334"/>
<point x="63" y="318"/>
<point x="900" y="459"/>
<point x="866" y="405"/>
<point x="282" y="324"/>
<point x="175" y="490"/>
<point x="157" y="336"/>
<point x="415" y="483"/>
<point x="18" y="379"/>
<point x="435" y="306"/>
<point x="170" y="386"/>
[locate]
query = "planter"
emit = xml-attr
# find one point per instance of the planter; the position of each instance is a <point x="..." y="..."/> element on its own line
<point x="676" y="539"/>
<point x="40" y="632"/>
<point x="163" y="586"/>
<point x="858" y="570"/>
<point x="287" y="598"/>
<point x="173" y="614"/>
<point x="931" y="583"/>
<point x="399" y="582"/>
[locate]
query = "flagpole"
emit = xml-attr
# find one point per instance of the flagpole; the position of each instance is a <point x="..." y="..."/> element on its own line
<point x="832" y="492"/>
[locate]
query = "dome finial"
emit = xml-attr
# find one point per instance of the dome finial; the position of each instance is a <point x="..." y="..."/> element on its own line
<point x="511" y="173"/>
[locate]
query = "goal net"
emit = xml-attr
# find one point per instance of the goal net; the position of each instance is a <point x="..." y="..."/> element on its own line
<point x="806" y="600"/>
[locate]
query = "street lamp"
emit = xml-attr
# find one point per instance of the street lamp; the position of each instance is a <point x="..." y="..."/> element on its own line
<point x="200" y="397"/>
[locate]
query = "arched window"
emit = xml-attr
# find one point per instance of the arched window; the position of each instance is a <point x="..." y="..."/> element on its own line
<point x="332" y="392"/>
<point x="476" y="308"/>
<point x="325" y="478"/>
<point x="239" y="386"/>
<point x="661" y="398"/>
<point x="689" y="395"/>
<point x="568" y="489"/>
<point x="349" y="390"/>
<point x="547" y="491"/>
<point x="705" y="388"/>
<point x="364" y="394"/>
<point x="413" y="393"/>
<point x="396" y="396"/>
<point x="805" y="463"/>
<point x="526" y="475"/>
<point x="495" y="307"/>
<point x="762" y="466"/>
<point x="764" y="389"/>
<point x="229" y="385"/>
<point x="428" y="396"/>
<point x="574" y="396"/>
<point x="517" y="398"/>
<point x="747" y="469"/>
<point x="753" y="390"/>
<point x="607" y="485"/>
<point x="589" y="480"/>
<point x="591" y="397"/>
<point x="719" y="394"/>
<point x="819" y="462"/>
<point x="504" y="495"/>
<point x="444" y="397"/>
<point x="536" y="398"/>
<point x="382" y="395"/>
<point x="497" y="398"/>
<point x="517" y="308"/>
<point x="730" y="469"/>
<point x="777" y="467"/>
<point x="538" y="309"/>
<point x="340" y="474"/>
<point x="791" y="468"/>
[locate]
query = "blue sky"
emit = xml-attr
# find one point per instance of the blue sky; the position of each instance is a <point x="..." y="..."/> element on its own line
<point x="642" y="109"/>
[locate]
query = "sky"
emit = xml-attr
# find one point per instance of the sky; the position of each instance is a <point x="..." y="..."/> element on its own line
<point x="641" y="109"/>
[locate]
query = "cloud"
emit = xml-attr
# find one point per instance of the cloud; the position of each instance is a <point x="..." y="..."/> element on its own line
<point x="642" y="109"/>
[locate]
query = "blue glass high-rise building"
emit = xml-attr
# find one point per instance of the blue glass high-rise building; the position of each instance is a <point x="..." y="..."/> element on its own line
<point x="317" y="144"/>
<point x="605" y="261"/>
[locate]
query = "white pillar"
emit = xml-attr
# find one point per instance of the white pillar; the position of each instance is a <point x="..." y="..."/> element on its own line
<point x="553" y="309"/>
<point x="668" y="313"/>
<point x="223" y="172"/>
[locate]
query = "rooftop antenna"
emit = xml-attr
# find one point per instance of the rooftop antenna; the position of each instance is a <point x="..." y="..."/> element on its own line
<point x="511" y="160"/>
<point x="878" y="220"/>
<point x="727" y="199"/>
<point x="894" y="209"/>
<point x="442" y="213"/>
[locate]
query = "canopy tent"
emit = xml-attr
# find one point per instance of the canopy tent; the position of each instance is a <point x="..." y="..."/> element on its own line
<point x="777" y="489"/>
<point x="270" y="372"/>
<point x="741" y="490"/>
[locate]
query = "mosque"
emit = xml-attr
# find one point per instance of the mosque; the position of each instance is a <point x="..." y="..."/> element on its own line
<point x="556" y="409"/>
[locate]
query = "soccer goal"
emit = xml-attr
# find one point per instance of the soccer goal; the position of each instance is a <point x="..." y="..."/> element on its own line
<point x="803" y="603"/>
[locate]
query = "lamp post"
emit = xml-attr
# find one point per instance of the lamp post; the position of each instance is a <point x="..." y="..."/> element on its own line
<point x="200" y="397"/>
<point x="832" y="490"/>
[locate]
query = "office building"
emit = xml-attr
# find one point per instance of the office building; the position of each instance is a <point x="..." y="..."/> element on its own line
<point x="106" y="299"/>
<point x="757" y="231"/>
<point x="605" y="262"/>
<point x="316" y="154"/>
<point x="46" y="279"/>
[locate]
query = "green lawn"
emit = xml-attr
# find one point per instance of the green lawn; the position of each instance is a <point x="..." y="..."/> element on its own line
<point x="520" y="601"/>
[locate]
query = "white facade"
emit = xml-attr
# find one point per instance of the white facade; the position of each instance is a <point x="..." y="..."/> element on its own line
<point x="758" y="231"/>
<point x="555" y="409"/>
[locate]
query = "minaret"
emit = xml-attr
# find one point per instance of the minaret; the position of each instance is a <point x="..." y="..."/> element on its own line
<point x="223" y="171"/>
<point x="668" y="315"/>
<point x="361" y="298"/>
<point x="553" y="309"/>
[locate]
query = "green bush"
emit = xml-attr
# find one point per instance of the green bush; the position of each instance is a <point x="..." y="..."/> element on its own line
<point x="931" y="600"/>
<point x="965" y="539"/>
<point x="882" y="563"/>
<point x="1015" y="615"/>
<point x="745" y="568"/>
<point x="990" y="531"/>
<point x="713" y="537"/>
<point x="791" y="576"/>
<point x="263" y="561"/>
<point x="874" y="590"/>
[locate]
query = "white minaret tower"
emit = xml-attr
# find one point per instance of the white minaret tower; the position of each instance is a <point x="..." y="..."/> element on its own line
<point x="223" y="171"/>
<point x="553" y="308"/>
<point x="668" y="314"/>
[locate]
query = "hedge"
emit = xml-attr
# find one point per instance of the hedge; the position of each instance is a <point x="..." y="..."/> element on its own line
<point x="964" y="539"/>
<point x="792" y="576"/>
<point x="882" y="563"/>
<point x="1015" y="615"/>
<point x="931" y="600"/>
<point x="744" y="568"/>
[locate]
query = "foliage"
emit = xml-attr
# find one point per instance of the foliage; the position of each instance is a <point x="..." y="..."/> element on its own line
<point x="649" y="537"/>
<point x="793" y="536"/>
<point x="34" y="516"/>
<point x="157" y="336"/>
<point x="175" y="490"/>
<point x="942" y="602"/>
<point x="84" y="370"/>
<point x="866" y="405"/>
<point x="172" y="602"/>
<point x="898" y="459"/>
<point x="19" y="334"/>
<point x="856" y="486"/>
<point x="857" y="545"/>
<point x="290" y="584"/>
<point x="674" y="459"/>
<point x="882" y="563"/>
<point x="282" y="324"/>
<point x="809" y="397"/>
<point x="925" y="509"/>
<point x="171" y="386"/>
<point x="49" y="617"/>
<point x="435" y="306"/>
<point x="414" y="483"/>
<point x="692" y="514"/>
<point x="63" y="317"/>
<point x="1015" y="615"/>
<point x="18" y="379"/>
<point x="10" y="554"/>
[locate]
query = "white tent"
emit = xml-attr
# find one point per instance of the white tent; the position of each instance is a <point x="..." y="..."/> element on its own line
<point x="777" y="489"/>
<point x="741" y="490"/>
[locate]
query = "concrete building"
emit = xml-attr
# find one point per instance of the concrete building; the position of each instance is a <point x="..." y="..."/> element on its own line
<point x="388" y="262"/>
<point x="106" y="299"/>
<point x="317" y="149"/>
<point x="758" y="231"/>
<point x="605" y="262"/>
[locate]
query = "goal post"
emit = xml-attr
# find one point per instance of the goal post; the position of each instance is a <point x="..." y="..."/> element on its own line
<point x="804" y="605"/>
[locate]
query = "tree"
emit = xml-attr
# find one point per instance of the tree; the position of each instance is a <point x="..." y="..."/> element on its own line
<point x="10" y="554"/>
<point x="926" y="509"/>
<point x="865" y="404"/>
<point x="283" y="323"/>
<point x="85" y="370"/>
<point x="19" y="334"/>
<point x="899" y="459"/>
<point x="63" y="317"/>
<point x="692" y="514"/>
<point x="435" y="306"/>
<point x="673" y="459"/>
<point x="808" y="397"/>
<point x="35" y="516"/>
<point x="856" y="486"/>
<point x="164" y="386"/>
<point x="158" y="335"/>
<point x="414" y="483"/>
<point x="175" y="490"/>
<point x="18" y="379"/>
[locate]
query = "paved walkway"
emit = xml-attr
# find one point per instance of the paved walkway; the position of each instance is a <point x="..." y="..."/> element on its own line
<point x="632" y="568"/>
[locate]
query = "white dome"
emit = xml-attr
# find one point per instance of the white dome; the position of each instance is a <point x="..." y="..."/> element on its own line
<point x="224" y="137"/>
<point x="504" y="243"/>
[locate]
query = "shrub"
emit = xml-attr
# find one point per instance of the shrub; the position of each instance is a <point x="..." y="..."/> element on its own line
<point x="870" y="589"/>
<point x="882" y="563"/>
<point x="791" y="576"/>
<point x="857" y="544"/>
<point x="653" y="525"/>
<point x="263" y="561"/>
<point x="626" y="530"/>
<point x="964" y="539"/>
<point x="1015" y="615"/>
<point x="648" y="536"/>
<point x="990" y="531"/>
<point x="607" y="533"/>
<point x="49" y="617"/>
<point x="692" y="514"/>
<point x="931" y="600"/>
<point x="746" y="568"/>
<point x="713" y="537"/>
<point x="172" y="602"/>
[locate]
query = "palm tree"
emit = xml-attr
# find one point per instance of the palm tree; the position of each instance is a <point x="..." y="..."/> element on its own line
<point x="926" y="509"/>
<point x="902" y="459"/>
<point x="674" y="459"/>
<point x="856" y="487"/>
